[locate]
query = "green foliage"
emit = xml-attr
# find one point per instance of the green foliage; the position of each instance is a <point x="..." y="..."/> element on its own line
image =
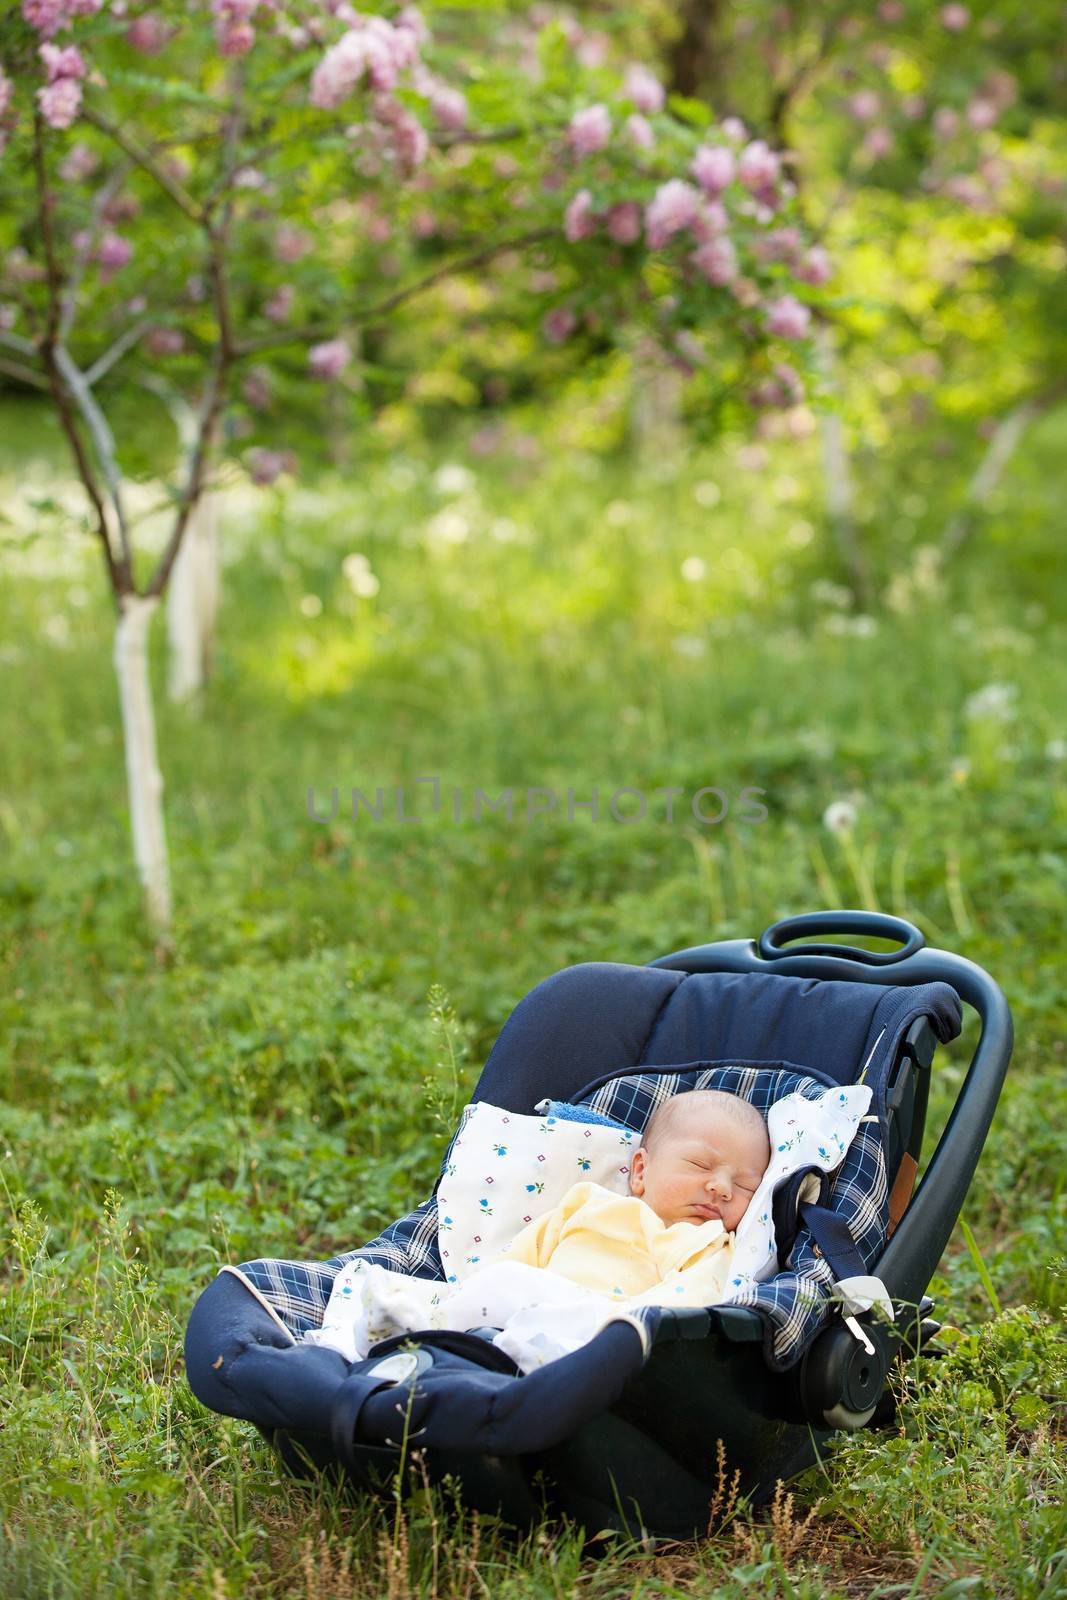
<point x="287" y="1085"/>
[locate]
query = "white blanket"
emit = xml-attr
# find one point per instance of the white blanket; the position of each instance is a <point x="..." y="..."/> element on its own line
<point x="541" y="1315"/>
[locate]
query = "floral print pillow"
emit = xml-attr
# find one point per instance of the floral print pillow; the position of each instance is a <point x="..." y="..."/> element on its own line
<point x="503" y="1169"/>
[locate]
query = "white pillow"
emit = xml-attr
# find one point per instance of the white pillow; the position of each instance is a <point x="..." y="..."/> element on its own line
<point x="504" y="1169"/>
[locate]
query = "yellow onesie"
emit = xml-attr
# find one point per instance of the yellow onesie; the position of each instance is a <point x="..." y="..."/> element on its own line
<point x="616" y="1245"/>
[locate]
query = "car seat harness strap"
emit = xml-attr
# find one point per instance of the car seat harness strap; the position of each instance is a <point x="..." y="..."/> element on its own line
<point x="854" y="1288"/>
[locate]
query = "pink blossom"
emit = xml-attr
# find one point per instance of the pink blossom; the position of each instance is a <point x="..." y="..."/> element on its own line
<point x="672" y="208"/>
<point x="291" y="244"/>
<point x="84" y="8"/>
<point x="714" y="168"/>
<point x="411" y="18"/>
<point x="816" y="267"/>
<point x="113" y="252"/>
<point x="266" y="466"/>
<point x="424" y="225"/>
<point x="981" y="114"/>
<point x="624" y="222"/>
<point x="342" y="67"/>
<point x="280" y="304"/>
<point x="121" y="208"/>
<point x="955" y="18"/>
<point x="329" y="360"/>
<point x="717" y="260"/>
<point x="690" y="349"/>
<point x="591" y="50"/>
<point x="759" y="166"/>
<point x="409" y="139"/>
<point x="379" y="229"/>
<point x="65" y="62"/>
<point x="781" y="244"/>
<point x="968" y="191"/>
<point x="590" y="130"/>
<point x="7" y="91"/>
<point x="580" y="219"/>
<point x="734" y="130"/>
<point x="745" y="292"/>
<point x="147" y="34"/>
<point x="913" y="106"/>
<point x="449" y="107"/>
<point x="237" y="39"/>
<point x="1001" y="88"/>
<point x="864" y="105"/>
<point x="164" y="342"/>
<point x="877" y="142"/>
<point x="257" y="390"/>
<point x="892" y="11"/>
<point x="787" y="318"/>
<point x="643" y="89"/>
<point x="639" y="131"/>
<point x="60" y="102"/>
<point x="78" y="164"/>
<point x="47" y="16"/>
<point x="946" y="121"/>
<point x="559" y="324"/>
<point x="711" y="219"/>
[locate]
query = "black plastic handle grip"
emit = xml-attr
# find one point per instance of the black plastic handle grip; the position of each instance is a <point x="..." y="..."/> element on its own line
<point x="871" y="924"/>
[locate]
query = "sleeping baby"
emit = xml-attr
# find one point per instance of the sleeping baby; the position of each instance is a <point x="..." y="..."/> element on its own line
<point x="669" y="1241"/>
<point x="701" y="1161"/>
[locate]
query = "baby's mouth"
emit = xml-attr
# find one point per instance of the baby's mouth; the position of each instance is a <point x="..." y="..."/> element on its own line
<point x="705" y="1209"/>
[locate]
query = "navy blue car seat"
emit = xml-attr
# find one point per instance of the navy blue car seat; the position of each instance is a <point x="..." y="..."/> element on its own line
<point x="626" y="1432"/>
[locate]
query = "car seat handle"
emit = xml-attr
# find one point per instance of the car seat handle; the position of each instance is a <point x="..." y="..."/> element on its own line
<point x="870" y="924"/>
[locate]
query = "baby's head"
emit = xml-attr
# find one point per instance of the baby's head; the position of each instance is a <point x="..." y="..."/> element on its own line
<point x="702" y="1156"/>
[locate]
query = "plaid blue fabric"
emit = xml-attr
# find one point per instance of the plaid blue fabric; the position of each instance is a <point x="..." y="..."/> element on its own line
<point x="792" y="1305"/>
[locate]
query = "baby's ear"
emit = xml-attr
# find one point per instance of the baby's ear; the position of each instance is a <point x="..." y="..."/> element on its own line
<point x="637" y="1173"/>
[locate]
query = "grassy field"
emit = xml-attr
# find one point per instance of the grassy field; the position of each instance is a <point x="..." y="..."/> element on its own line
<point x="561" y="623"/>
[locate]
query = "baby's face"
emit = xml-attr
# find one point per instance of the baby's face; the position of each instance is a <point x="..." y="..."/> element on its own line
<point x="707" y="1170"/>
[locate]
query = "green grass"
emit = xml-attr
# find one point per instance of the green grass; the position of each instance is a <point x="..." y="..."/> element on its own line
<point x="257" y="1096"/>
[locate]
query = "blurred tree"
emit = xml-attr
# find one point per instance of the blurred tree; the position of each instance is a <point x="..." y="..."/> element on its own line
<point x="213" y="203"/>
<point x="928" y="146"/>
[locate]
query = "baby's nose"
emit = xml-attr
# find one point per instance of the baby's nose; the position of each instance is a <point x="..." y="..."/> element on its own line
<point x="720" y="1183"/>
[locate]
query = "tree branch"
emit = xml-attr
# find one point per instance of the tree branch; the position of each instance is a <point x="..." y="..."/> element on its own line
<point x="207" y="417"/>
<point x="1002" y="446"/>
<point x="15" y="341"/>
<point x="103" y="364"/>
<point x="103" y="439"/>
<point x="144" y="159"/>
<point x="271" y="341"/>
<point x="120" y="572"/>
<point x="15" y="369"/>
<point x="101" y="201"/>
<point x="225" y="354"/>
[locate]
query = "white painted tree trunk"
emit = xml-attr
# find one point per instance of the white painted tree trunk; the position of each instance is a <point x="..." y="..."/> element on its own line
<point x="143" y="777"/>
<point x="656" y="404"/>
<point x="1001" y="448"/>
<point x="193" y="601"/>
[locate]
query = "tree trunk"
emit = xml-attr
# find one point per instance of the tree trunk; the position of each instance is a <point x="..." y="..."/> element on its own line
<point x="192" y="603"/>
<point x="143" y="777"/>
<point x="693" y="63"/>
<point x="655" y="405"/>
<point x="1001" y="448"/>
